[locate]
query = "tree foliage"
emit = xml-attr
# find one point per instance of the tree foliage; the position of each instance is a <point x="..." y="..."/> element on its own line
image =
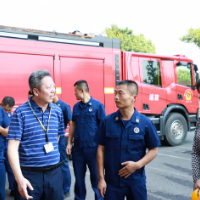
<point x="130" y="41"/>
<point x="192" y="36"/>
<point x="184" y="77"/>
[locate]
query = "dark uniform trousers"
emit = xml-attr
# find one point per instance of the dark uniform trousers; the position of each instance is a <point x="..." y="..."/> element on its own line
<point x="65" y="167"/>
<point x="82" y="157"/>
<point x="47" y="186"/>
<point x="133" y="192"/>
<point x="2" y="177"/>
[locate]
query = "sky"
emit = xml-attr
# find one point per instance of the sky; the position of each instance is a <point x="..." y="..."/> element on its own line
<point x="161" y="21"/>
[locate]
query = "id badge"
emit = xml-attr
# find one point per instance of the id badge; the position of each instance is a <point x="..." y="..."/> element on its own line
<point x="48" y="147"/>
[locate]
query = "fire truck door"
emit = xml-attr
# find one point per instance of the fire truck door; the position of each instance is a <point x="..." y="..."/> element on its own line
<point x="186" y="93"/>
<point x="153" y="95"/>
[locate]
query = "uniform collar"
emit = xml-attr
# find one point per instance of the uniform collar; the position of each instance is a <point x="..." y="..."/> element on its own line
<point x="35" y="106"/>
<point x="134" y="119"/>
<point x="89" y="103"/>
<point x="58" y="102"/>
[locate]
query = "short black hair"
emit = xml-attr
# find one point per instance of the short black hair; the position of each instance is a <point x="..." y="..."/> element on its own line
<point x="82" y="84"/>
<point x="131" y="85"/>
<point x="35" y="79"/>
<point x="30" y="93"/>
<point x="8" y="101"/>
<point x="198" y="85"/>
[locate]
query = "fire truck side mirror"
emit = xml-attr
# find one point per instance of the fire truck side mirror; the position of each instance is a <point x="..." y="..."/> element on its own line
<point x="195" y="68"/>
<point x="193" y="87"/>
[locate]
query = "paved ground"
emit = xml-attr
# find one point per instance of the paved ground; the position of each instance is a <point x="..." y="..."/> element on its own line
<point x="169" y="176"/>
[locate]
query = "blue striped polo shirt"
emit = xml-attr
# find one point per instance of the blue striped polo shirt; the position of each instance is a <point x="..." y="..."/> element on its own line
<point x="25" y="127"/>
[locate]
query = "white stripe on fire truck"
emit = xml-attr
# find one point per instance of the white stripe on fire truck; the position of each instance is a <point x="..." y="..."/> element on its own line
<point x="58" y="90"/>
<point x="109" y="90"/>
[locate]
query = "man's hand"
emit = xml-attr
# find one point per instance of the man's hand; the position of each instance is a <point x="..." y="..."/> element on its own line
<point x="197" y="185"/>
<point x="22" y="187"/>
<point x="69" y="148"/>
<point x="102" y="187"/>
<point x="129" y="168"/>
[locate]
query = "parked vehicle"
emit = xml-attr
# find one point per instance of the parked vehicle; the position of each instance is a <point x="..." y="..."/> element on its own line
<point x="167" y="93"/>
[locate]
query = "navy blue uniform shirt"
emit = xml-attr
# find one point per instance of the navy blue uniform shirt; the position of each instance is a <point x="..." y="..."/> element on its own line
<point x="125" y="142"/>
<point x="66" y="109"/>
<point x="87" y="118"/>
<point x="4" y="122"/>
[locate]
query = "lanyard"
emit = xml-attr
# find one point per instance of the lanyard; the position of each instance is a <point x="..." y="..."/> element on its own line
<point x="46" y="131"/>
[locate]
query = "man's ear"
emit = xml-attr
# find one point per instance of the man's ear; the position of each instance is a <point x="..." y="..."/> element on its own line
<point x="134" y="98"/>
<point x="35" y="91"/>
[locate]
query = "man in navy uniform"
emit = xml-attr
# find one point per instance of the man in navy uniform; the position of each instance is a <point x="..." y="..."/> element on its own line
<point x="67" y="114"/>
<point x="4" y="123"/>
<point x="8" y="104"/>
<point x="87" y="115"/>
<point x="33" y="137"/>
<point x="123" y="138"/>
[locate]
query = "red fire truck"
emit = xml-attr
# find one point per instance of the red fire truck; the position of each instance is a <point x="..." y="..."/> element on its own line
<point x="167" y="92"/>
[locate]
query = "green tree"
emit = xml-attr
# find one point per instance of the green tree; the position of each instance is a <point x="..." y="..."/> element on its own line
<point x="184" y="77"/>
<point x="192" y="36"/>
<point x="130" y="41"/>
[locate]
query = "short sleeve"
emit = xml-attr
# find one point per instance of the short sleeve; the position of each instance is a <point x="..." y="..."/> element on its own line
<point x="100" y="136"/>
<point x="61" y="128"/>
<point x="101" y="113"/>
<point x="16" y="126"/>
<point x="151" y="137"/>
<point x="67" y="115"/>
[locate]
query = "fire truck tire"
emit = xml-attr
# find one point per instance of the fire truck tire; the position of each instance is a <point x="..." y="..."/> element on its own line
<point x="175" y="130"/>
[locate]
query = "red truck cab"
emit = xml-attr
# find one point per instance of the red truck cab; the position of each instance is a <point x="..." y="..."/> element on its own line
<point x="167" y="93"/>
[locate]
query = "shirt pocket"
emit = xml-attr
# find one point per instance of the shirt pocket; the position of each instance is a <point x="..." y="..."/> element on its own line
<point x="90" y="117"/>
<point x="75" y="116"/>
<point x="112" y="140"/>
<point x="135" y="143"/>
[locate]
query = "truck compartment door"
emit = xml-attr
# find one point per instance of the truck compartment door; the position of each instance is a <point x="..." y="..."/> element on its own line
<point x="15" y="70"/>
<point x="74" y="69"/>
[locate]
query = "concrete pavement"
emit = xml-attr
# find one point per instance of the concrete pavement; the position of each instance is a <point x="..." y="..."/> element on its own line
<point x="169" y="176"/>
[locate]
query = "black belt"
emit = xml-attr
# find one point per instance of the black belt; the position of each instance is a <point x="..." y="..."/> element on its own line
<point x="45" y="170"/>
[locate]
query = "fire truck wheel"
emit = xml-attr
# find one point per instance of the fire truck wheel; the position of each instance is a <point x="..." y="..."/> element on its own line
<point x="175" y="129"/>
